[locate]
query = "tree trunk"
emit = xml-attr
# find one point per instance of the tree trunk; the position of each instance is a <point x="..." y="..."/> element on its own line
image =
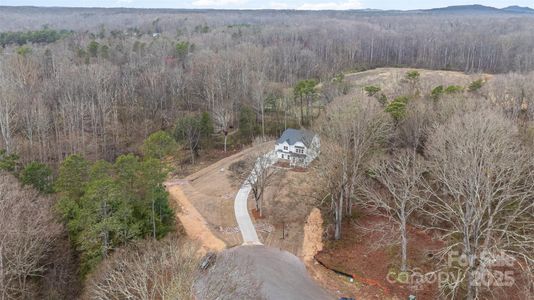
<point x="301" y="110"/>
<point x="404" y="245"/>
<point x="471" y="288"/>
<point x="262" y="122"/>
<point x="338" y="217"/>
<point x="307" y="110"/>
<point x="153" y="219"/>
<point x="192" y="150"/>
<point x="260" y="209"/>
<point x="2" y="287"/>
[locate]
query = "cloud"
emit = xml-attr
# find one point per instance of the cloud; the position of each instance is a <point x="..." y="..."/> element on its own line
<point x="278" y="5"/>
<point x="215" y="3"/>
<point x="348" y="4"/>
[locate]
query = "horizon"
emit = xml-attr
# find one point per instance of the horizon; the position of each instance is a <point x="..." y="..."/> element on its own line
<point x="304" y="5"/>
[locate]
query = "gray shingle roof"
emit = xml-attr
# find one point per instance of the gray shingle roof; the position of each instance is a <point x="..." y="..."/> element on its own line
<point x="295" y="135"/>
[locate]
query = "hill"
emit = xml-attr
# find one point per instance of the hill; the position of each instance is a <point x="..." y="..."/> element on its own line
<point x="480" y="9"/>
<point x="465" y="9"/>
<point x="518" y="9"/>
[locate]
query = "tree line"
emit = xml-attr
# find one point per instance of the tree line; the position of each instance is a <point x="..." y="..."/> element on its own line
<point x="20" y="38"/>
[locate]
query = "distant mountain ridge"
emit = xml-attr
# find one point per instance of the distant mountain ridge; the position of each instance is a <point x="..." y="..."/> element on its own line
<point x="519" y="9"/>
<point x="480" y="9"/>
<point x="457" y="9"/>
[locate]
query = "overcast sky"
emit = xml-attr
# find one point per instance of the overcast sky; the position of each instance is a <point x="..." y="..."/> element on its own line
<point x="269" y="4"/>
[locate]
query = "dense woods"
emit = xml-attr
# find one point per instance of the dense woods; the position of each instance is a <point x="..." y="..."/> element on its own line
<point x="93" y="102"/>
<point x="103" y="88"/>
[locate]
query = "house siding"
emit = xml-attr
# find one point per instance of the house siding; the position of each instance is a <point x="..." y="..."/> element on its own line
<point x="310" y="153"/>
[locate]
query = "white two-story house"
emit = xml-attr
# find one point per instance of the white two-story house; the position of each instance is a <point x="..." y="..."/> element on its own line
<point x="299" y="147"/>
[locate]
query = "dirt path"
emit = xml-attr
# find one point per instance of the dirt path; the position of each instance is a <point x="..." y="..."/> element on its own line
<point x="194" y="224"/>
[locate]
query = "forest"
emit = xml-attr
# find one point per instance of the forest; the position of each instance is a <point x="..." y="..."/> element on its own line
<point x="454" y="161"/>
<point x="101" y="90"/>
<point x="93" y="102"/>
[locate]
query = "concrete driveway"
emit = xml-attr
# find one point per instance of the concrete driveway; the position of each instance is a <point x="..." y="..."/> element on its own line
<point x="248" y="231"/>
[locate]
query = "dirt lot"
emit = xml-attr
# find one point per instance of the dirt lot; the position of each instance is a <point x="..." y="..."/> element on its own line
<point x="194" y="224"/>
<point x="287" y="206"/>
<point x="287" y="203"/>
<point x="392" y="80"/>
<point x="211" y="191"/>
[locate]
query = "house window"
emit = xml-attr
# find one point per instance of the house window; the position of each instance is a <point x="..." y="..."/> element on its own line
<point x="285" y="148"/>
<point x="299" y="150"/>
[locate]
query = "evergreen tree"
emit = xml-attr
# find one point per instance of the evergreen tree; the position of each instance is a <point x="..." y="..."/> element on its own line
<point x="158" y="145"/>
<point x="105" y="221"/>
<point x="106" y="205"/>
<point x="73" y="176"/>
<point x="247" y="124"/>
<point x="37" y="175"/>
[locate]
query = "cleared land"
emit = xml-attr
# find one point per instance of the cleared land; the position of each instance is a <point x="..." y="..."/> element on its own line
<point x="194" y="224"/>
<point x="212" y="191"/>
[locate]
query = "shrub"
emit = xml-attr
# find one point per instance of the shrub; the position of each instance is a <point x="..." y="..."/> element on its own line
<point x="371" y="90"/>
<point x="413" y="75"/>
<point x="8" y="162"/>
<point x="476" y="85"/>
<point x="92" y="48"/>
<point x="437" y="92"/>
<point x="453" y="89"/>
<point x="397" y="108"/>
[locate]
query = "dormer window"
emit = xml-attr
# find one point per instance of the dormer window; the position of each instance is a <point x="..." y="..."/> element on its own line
<point x="285" y="148"/>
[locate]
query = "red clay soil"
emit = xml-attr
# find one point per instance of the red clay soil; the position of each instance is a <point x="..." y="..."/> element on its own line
<point x="369" y="263"/>
<point x="363" y="254"/>
<point x="256" y="214"/>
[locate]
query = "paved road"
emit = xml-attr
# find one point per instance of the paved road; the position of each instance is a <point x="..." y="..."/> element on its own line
<point x="279" y="274"/>
<point x="250" y="237"/>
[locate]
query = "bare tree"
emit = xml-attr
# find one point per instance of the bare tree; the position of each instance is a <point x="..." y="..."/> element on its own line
<point x="413" y="128"/>
<point x="188" y="130"/>
<point x="8" y="110"/>
<point x="401" y="178"/>
<point x="28" y="234"/>
<point x="351" y="132"/>
<point x="222" y="115"/>
<point x="147" y="270"/>
<point x="481" y="189"/>
<point x="261" y="177"/>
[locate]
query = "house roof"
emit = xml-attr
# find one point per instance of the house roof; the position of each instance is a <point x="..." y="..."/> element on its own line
<point x="292" y="136"/>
